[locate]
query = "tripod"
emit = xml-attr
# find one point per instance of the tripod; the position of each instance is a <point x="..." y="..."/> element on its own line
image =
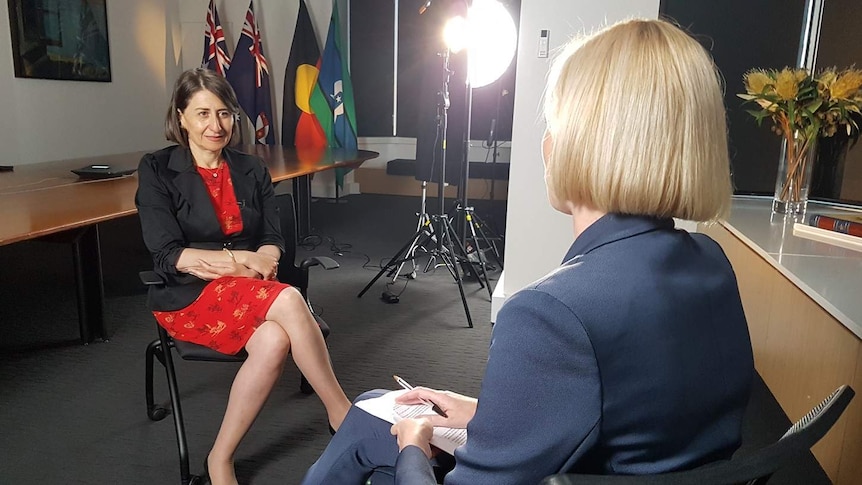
<point x="424" y="220"/>
<point x="436" y="228"/>
<point x="471" y="222"/>
<point x="478" y="232"/>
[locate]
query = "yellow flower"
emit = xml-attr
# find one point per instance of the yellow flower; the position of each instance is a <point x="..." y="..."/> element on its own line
<point x="786" y="85"/>
<point x="825" y="82"/>
<point x="767" y="105"/>
<point x="756" y="81"/>
<point x="798" y="101"/>
<point x="827" y="77"/>
<point x="847" y="85"/>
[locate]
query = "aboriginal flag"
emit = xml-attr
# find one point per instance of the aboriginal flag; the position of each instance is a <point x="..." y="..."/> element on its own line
<point x="299" y="124"/>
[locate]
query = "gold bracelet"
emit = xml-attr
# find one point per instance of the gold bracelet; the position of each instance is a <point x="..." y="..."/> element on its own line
<point x="230" y="253"/>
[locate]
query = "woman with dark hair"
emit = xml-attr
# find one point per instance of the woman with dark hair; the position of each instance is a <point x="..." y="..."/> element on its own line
<point x="633" y="356"/>
<point x="210" y="220"/>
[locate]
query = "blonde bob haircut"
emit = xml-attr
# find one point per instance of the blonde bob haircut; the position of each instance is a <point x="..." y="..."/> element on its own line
<point x="637" y="124"/>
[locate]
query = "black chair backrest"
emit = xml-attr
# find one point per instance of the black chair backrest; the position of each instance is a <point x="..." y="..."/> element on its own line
<point x="752" y="468"/>
<point x="287" y="213"/>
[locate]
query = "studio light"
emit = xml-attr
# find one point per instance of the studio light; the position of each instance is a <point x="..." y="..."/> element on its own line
<point x="489" y="35"/>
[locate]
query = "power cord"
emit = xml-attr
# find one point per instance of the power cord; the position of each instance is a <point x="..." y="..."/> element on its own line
<point x="342" y="250"/>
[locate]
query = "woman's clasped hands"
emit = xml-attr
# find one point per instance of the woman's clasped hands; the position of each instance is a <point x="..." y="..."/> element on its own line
<point x="264" y="264"/>
<point x="247" y="264"/>
<point x="459" y="410"/>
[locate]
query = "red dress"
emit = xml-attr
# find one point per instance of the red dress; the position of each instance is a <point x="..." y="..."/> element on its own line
<point x="230" y="308"/>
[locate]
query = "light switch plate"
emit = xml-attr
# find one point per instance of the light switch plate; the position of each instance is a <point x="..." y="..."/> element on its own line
<point x="544" y="40"/>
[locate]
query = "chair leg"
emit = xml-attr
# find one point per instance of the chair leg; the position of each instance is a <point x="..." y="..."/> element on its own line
<point x="185" y="476"/>
<point x="154" y="412"/>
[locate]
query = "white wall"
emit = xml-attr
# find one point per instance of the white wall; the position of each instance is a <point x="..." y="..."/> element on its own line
<point x="48" y="120"/>
<point x="151" y="42"/>
<point x="537" y="237"/>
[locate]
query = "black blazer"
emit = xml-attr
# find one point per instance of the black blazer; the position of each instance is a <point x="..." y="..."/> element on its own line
<point x="177" y="213"/>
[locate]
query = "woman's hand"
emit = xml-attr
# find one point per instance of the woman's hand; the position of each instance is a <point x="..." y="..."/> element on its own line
<point x="459" y="409"/>
<point x="262" y="263"/>
<point x="414" y="431"/>
<point x="213" y="271"/>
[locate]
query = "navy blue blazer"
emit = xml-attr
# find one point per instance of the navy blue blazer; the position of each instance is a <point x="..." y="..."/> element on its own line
<point x="633" y="357"/>
<point x="177" y="213"/>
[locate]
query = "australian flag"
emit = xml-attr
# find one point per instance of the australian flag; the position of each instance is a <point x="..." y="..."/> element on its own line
<point x="215" y="50"/>
<point x="249" y="76"/>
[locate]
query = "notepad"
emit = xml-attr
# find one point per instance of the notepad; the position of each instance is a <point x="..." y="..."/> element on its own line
<point x="385" y="408"/>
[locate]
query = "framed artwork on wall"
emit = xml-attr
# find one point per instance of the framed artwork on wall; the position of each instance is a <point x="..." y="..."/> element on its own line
<point x="60" y="39"/>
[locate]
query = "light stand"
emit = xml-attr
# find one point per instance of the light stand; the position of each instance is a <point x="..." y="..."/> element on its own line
<point x="493" y="145"/>
<point x="492" y="138"/>
<point x="466" y="214"/>
<point x="437" y="228"/>
<point x="490" y="39"/>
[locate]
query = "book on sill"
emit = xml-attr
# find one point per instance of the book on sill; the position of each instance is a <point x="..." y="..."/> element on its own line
<point x="845" y="222"/>
<point x="828" y="236"/>
<point x="385" y="408"/>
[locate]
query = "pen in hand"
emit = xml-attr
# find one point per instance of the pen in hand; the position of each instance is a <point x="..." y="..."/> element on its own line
<point x="434" y="407"/>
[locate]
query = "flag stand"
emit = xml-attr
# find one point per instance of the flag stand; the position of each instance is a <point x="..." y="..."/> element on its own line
<point x="338" y="199"/>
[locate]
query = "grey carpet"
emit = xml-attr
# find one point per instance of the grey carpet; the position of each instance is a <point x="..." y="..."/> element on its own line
<point x="73" y="414"/>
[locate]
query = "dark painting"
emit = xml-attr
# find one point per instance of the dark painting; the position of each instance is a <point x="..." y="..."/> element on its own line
<point x="60" y="39"/>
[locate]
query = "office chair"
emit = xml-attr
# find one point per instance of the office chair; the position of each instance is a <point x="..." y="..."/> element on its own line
<point x="288" y="272"/>
<point x="752" y="469"/>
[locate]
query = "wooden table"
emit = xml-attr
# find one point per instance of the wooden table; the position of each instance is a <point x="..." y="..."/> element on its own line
<point x="801" y="300"/>
<point x="47" y="200"/>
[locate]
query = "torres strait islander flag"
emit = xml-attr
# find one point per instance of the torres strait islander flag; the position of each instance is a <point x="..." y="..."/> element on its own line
<point x="215" y="50"/>
<point x="332" y="99"/>
<point x="299" y="125"/>
<point x="249" y="76"/>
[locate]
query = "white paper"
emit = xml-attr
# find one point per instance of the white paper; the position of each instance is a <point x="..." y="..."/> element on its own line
<point x="385" y="408"/>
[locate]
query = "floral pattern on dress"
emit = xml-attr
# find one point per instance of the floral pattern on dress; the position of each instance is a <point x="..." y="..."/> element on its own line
<point x="220" y="188"/>
<point x="225" y="315"/>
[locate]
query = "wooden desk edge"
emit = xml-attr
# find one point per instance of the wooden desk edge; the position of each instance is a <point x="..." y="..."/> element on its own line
<point x="362" y="156"/>
<point x="66" y="227"/>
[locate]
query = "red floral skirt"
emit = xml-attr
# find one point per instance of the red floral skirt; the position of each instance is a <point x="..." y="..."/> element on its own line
<point x="225" y="314"/>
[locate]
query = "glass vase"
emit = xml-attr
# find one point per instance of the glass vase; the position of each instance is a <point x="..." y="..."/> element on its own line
<point x="794" y="175"/>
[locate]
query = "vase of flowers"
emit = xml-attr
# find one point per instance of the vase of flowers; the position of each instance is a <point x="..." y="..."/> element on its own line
<point x="803" y="108"/>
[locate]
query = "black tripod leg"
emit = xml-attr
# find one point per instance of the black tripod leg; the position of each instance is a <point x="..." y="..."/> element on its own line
<point x="464" y="256"/>
<point x="395" y="261"/>
<point x="489" y="241"/>
<point x="479" y="254"/>
<point x="450" y="262"/>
